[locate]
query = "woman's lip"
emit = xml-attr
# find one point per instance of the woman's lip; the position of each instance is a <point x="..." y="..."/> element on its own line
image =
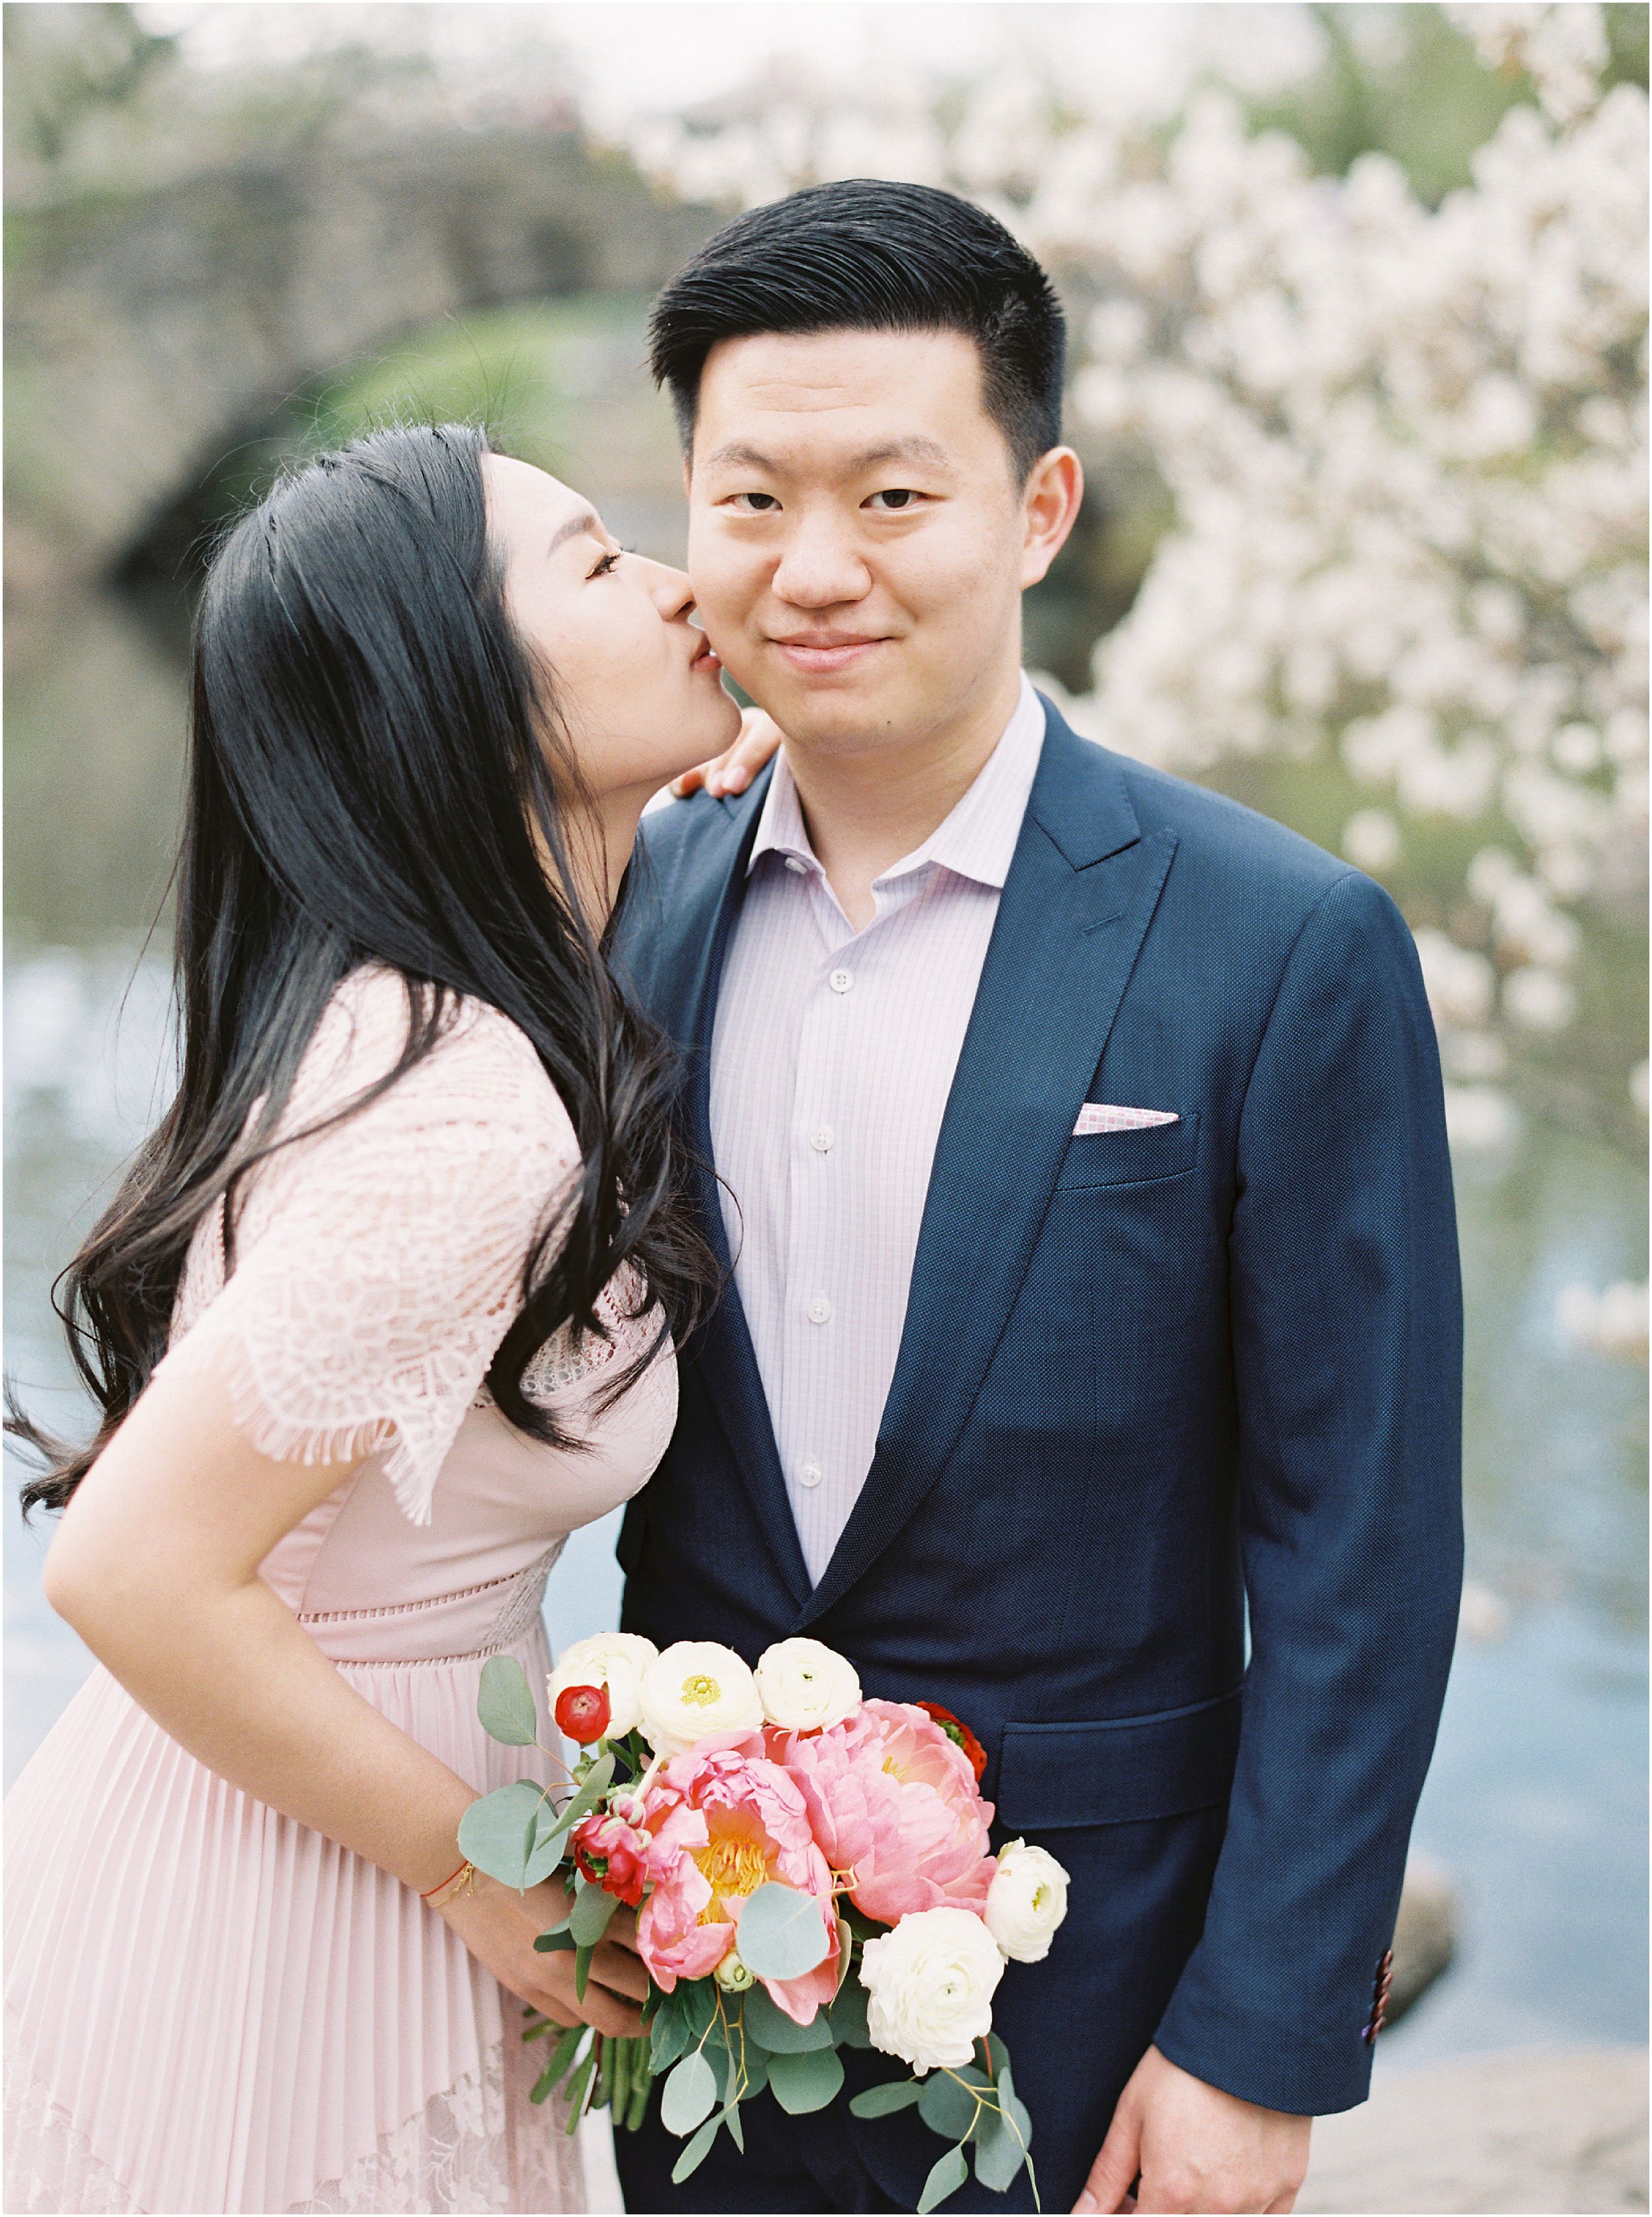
<point x="822" y="660"/>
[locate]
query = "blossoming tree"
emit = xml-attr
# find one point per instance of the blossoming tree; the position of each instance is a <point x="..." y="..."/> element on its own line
<point x="1404" y="449"/>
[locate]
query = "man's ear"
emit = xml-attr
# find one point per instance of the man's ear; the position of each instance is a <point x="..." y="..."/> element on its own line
<point x="1049" y="503"/>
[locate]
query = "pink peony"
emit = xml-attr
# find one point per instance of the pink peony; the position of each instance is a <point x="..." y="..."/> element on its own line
<point x="612" y="1855"/>
<point x="724" y="1820"/>
<point x="894" y="1806"/>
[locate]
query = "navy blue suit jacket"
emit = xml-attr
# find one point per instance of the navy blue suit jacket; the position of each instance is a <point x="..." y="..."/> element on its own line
<point x="1147" y="1377"/>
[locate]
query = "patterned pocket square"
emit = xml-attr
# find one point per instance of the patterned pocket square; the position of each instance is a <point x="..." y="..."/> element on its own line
<point x="1101" y="1116"/>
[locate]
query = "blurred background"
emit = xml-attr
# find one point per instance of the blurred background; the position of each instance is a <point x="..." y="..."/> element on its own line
<point x="1358" y="303"/>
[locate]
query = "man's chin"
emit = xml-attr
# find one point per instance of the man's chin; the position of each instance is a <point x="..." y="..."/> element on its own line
<point x="829" y="718"/>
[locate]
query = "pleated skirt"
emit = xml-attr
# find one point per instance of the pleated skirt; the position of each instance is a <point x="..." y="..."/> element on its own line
<point x="211" y="2008"/>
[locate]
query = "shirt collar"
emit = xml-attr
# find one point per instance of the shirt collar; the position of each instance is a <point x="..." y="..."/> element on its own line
<point x="975" y="840"/>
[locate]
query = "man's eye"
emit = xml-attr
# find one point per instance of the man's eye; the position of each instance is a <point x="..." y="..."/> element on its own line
<point x="761" y="503"/>
<point x="899" y="498"/>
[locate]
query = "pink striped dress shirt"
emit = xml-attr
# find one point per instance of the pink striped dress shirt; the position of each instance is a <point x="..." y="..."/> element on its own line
<point x="832" y="1057"/>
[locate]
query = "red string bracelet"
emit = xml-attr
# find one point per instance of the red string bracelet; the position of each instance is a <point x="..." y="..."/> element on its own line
<point x="448" y="1880"/>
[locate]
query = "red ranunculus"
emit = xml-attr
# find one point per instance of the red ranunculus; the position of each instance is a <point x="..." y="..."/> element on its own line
<point x="958" y="1732"/>
<point x="582" y="1712"/>
<point x="612" y="1855"/>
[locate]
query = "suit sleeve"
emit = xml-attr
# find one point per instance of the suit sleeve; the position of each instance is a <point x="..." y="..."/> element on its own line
<point x="1347" y="1322"/>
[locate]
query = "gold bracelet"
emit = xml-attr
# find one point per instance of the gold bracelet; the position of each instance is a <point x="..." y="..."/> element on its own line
<point x="464" y="1877"/>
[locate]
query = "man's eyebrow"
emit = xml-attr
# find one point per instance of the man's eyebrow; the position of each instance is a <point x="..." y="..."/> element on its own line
<point x="575" y="528"/>
<point x="916" y="448"/>
<point x="737" y="453"/>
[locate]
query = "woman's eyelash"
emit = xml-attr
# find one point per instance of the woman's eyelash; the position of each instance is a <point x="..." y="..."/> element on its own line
<point x="609" y="560"/>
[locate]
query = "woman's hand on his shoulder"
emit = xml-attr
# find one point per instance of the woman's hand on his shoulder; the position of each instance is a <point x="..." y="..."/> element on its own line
<point x="732" y="772"/>
<point x="499" y="1926"/>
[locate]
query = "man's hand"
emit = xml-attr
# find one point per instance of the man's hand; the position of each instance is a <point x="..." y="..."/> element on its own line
<point x="733" y="772"/>
<point x="1194" y="2147"/>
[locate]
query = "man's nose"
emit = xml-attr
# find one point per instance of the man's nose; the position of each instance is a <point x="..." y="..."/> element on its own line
<point x="820" y="566"/>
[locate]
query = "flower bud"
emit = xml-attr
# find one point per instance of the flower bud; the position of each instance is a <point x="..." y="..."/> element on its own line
<point x="732" y="1975"/>
<point x="584" y="1712"/>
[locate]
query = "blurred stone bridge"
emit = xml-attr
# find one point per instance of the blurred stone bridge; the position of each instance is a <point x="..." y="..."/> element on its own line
<point x="149" y="333"/>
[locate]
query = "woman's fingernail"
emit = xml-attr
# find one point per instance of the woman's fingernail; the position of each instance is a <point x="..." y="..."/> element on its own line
<point x="714" y="786"/>
<point x="739" y="779"/>
<point x="1086" y="2202"/>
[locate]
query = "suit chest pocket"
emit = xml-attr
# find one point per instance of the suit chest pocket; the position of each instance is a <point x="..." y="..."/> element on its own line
<point x="1131" y="1158"/>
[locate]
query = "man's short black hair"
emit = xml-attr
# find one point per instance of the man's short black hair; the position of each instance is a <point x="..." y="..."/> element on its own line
<point x="865" y="255"/>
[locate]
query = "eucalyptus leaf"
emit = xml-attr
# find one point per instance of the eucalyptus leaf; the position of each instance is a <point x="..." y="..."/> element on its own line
<point x="731" y="2117"/>
<point x="545" y="1853"/>
<point x="730" y="2064"/>
<point x="802" y="2083"/>
<point x="884" y="2100"/>
<point x="844" y="1951"/>
<point x="1000" y="2145"/>
<point x="696" y="2151"/>
<point x="699" y="1998"/>
<point x="688" y="2097"/>
<point x="597" y="1782"/>
<point x="497" y="1832"/>
<point x="505" y="1703"/>
<point x="782" y="1932"/>
<point x="667" y="2037"/>
<point x="948" y="2107"/>
<point x="999" y="2054"/>
<point x="848" y="2016"/>
<point x="592" y="1910"/>
<point x="946" y="2176"/>
<point x="559" y="1943"/>
<point x="771" y="2027"/>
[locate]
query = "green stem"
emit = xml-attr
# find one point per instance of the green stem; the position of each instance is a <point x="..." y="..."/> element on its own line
<point x="639" y="2091"/>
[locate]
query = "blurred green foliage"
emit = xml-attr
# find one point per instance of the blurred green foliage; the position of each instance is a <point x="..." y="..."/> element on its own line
<point x="1405" y="81"/>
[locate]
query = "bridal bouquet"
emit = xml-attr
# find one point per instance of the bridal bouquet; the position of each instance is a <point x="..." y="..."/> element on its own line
<point x="810" y="1871"/>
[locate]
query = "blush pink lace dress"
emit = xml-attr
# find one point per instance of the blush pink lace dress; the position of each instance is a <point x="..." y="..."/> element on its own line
<point x="210" y="2007"/>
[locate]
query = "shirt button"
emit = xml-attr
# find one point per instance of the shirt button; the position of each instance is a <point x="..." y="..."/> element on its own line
<point x="822" y="1140"/>
<point x="841" y="980"/>
<point x="820" y="1310"/>
<point x="810" y="1474"/>
<point x="795" y="863"/>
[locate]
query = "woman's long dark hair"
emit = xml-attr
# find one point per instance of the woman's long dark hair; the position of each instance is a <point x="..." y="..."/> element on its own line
<point x="368" y="782"/>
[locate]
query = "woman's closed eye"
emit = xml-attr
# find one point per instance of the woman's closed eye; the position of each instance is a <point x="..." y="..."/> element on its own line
<point x="605" y="565"/>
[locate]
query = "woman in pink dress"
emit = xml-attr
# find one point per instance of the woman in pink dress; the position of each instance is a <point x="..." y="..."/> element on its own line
<point x="383" y="1309"/>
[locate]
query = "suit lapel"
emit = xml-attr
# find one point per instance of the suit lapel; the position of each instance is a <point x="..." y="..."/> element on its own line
<point x="1081" y="892"/>
<point x="703" y="915"/>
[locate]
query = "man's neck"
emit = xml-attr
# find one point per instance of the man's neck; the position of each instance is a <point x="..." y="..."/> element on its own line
<point x="865" y="811"/>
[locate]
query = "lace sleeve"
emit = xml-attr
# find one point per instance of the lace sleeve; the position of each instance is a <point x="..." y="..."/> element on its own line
<point x="378" y="1264"/>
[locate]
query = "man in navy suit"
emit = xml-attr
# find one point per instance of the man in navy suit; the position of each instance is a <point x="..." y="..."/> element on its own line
<point x="1095" y="1294"/>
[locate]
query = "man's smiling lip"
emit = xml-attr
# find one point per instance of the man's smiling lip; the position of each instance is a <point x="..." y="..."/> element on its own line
<point x="821" y="652"/>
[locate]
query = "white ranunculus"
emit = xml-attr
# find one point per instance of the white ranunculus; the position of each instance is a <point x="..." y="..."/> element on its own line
<point x="695" y="1688"/>
<point x="805" y="1685"/>
<point x="1026" y="1901"/>
<point x="614" y="1659"/>
<point x="929" y="1985"/>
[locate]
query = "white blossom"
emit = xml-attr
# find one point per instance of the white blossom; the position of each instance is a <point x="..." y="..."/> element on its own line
<point x="1405" y="449"/>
